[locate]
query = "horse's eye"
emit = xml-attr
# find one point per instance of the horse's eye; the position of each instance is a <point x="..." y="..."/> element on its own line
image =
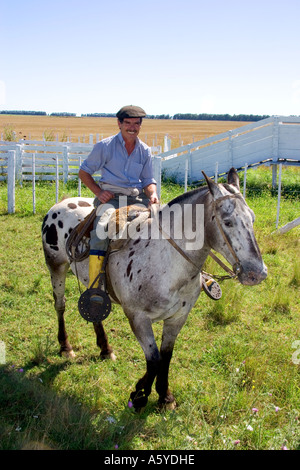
<point x="228" y="223"/>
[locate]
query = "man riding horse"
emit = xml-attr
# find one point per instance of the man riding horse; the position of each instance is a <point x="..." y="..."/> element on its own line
<point x="126" y="170"/>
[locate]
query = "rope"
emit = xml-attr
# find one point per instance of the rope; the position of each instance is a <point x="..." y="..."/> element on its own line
<point x="76" y="237"/>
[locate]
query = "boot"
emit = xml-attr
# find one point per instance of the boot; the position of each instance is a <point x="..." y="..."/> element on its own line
<point x="95" y="267"/>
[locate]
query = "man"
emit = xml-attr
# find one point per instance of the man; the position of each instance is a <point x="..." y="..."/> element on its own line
<point x="125" y="163"/>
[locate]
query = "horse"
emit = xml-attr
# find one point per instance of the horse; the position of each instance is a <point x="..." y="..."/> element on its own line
<point x="157" y="275"/>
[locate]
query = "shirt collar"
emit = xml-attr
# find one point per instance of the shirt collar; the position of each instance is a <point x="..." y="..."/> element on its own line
<point x="119" y="135"/>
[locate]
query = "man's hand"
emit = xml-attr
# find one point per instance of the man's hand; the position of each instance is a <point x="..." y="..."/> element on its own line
<point x="104" y="196"/>
<point x="151" y="194"/>
<point x="153" y="199"/>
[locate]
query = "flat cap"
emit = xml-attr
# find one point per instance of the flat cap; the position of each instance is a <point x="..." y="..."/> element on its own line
<point x="130" y="112"/>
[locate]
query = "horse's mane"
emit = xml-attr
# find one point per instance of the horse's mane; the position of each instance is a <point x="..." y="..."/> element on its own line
<point x="188" y="194"/>
<point x="198" y="191"/>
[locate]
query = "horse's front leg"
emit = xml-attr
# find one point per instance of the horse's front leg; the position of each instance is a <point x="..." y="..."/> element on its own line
<point x="170" y="332"/>
<point x="142" y="328"/>
<point x="102" y="342"/>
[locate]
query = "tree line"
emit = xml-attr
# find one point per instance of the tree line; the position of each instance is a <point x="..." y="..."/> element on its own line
<point x="220" y="117"/>
<point x="184" y="116"/>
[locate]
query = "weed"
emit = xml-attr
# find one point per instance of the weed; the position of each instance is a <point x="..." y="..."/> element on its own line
<point x="9" y="133"/>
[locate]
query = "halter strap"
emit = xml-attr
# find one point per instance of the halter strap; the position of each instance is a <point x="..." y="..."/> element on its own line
<point x="215" y="202"/>
<point x="215" y="258"/>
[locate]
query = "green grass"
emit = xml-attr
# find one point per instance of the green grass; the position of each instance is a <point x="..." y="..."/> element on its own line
<point x="232" y="356"/>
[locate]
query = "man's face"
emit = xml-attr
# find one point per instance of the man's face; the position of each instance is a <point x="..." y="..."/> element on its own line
<point x="130" y="128"/>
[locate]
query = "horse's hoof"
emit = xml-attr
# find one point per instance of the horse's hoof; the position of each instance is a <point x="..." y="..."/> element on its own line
<point x="110" y="356"/>
<point x="168" y="406"/>
<point x="168" y="403"/>
<point x="68" y="354"/>
<point x="139" y="400"/>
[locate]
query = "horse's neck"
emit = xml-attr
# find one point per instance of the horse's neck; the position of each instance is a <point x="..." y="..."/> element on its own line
<point x="183" y="221"/>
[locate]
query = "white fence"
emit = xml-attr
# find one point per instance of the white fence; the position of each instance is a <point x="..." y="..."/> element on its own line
<point x="273" y="141"/>
<point x="270" y="141"/>
<point x="52" y="161"/>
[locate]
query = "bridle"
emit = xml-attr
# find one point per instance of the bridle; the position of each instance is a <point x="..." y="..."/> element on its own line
<point x="237" y="267"/>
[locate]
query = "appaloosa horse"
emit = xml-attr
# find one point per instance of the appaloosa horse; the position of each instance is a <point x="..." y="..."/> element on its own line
<point x="150" y="278"/>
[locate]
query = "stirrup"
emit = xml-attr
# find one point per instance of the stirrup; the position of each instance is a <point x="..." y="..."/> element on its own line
<point x="94" y="304"/>
<point x="211" y="287"/>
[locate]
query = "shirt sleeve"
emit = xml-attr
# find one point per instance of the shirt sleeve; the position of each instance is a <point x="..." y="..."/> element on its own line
<point x="95" y="160"/>
<point x="146" y="175"/>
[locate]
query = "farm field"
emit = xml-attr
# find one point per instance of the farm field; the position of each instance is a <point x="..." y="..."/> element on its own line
<point x="152" y="131"/>
<point x="235" y="371"/>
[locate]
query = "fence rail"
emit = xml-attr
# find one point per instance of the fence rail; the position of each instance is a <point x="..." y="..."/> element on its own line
<point x="48" y="161"/>
<point x="270" y="141"/>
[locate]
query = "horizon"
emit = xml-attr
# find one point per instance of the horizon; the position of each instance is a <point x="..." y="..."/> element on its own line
<point x="31" y="112"/>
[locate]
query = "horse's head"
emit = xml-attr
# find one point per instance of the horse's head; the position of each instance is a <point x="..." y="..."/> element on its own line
<point x="229" y="230"/>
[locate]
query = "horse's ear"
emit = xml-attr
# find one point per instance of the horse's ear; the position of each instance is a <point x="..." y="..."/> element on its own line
<point x="212" y="186"/>
<point x="233" y="178"/>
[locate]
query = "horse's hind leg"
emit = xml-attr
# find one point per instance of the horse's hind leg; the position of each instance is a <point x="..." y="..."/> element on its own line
<point x="102" y="342"/>
<point x="58" y="279"/>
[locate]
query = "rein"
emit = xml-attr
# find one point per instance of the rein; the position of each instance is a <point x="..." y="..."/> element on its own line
<point x="231" y="273"/>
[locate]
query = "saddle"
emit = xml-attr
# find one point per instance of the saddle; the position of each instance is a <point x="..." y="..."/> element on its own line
<point x="118" y="229"/>
<point x="124" y="223"/>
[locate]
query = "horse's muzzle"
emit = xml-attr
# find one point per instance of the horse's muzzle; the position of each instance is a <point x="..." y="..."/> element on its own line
<point x="251" y="276"/>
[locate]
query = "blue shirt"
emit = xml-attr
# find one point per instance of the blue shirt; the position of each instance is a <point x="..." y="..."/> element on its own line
<point x="110" y="157"/>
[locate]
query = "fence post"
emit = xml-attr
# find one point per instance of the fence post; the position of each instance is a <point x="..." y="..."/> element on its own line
<point x="11" y="179"/>
<point x="216" y="172"/>
<point x="79" y="180"/>
<point x="230" y="149"/>
<point x="167" y="143"/>
<point x="65" y="164"/>
<point x="33" y="182"/>
<point x="274" y="176"/>
<point x="157" y="173"/>
<point x="186" y="171"/>
<point x="18" y="163"/>
<point x="279" y="195"/>
<point x="56" y="179"/>
<point x="190" y="164"/>
<point x="245" y="177"/>
<point x="275" y="147"/>
<point x="275" y="138"/>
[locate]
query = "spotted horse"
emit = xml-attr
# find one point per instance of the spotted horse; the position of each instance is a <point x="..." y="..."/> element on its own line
<point x="152" y="280"/>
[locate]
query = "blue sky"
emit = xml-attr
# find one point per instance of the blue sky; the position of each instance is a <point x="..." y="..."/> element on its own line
<point x="196" y="56"/>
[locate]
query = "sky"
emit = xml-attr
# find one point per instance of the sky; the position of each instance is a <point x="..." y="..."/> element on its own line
<point x="167" y="56"/>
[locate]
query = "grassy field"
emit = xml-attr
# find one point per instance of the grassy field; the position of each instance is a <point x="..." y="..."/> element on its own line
<point x="152" y="131"/>
<point x="235" y="369"/>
